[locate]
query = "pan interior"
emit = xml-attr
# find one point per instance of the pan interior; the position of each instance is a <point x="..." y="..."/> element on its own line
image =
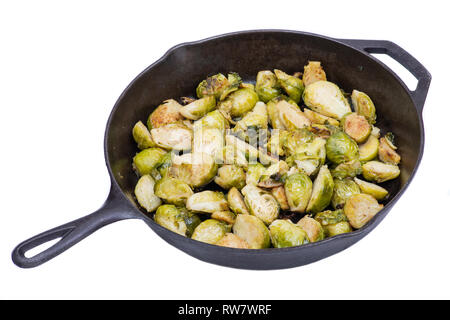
<point x="246" y="53"/>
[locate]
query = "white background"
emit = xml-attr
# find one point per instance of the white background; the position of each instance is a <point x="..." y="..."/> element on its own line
<point x="64" y="64"/>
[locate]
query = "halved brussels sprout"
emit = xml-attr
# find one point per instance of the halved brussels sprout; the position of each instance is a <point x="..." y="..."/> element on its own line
<point x="285" y="234"/>
<point x="196" y="169"/>
<point x="213" y="119"/>
<point x="379" y="172"/>
<point x="273" y="174"/>
<point x="306" y="164"/>
<point x="168" y="112"/>
<point x="247" y="85"/>
<point x="318" y="118"/>
<point x="176" y="136"/>
<point x="341" y="148"/>
<point x="360" y="209"/>
<point x="333" y="222"/>
<point x="348" y="169"/>
<point x="238" y="103"/>
<point x="198" y="108"/>
<point x="254" y="120"/>
<point x="261" y="204"/>
<point x="343" y="190"/>
<point x="285" y="115"/>
<point x="210" y="141"/>
<point x="298" y="188"/>
<point x="163" y="167"/>
<point x="369" y="149"/>
<point x="322" y="191"/>
<point x="267" y="86"/>
<point x="142" y="136"/>
<point x="252" y="230"/>
<point x="224" y="216"/>
<point x="145" y="161"/>
<point x="145" y="194"/>
<point x="324" y="130"/>
<point x="277" y="141"/>
<point x="218" y="85"/>
<point x="241" y="146"/>
<point x="280" y="195"/>
<point x="312" y="228"/>
<point x="232" y="241"/>
<point x="210" y="231"/>
<point x="374" y="190"/>
<point x="229" y="176"/>
<point x="236" y="202"/>
<point x="296" y="141"/>
<point x="254" y="173"/>
<point x="386" y="153"/>
<point x="173" y="191"/>
<point x="313" y="72"/>
<point x="231" y="155"/>
<point x="207" y="201"/>
<point x="357" y="127"/>
<point x="175" y="219"/>
<point x="326" y="98"/>
<point x="364" y="106"/>
<point x="293" y="86"/>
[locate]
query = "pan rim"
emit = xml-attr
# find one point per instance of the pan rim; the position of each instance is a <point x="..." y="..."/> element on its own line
<point x="269" y="251"/>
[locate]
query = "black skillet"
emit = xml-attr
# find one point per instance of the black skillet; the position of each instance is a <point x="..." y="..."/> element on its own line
<point x="347" y="63"/>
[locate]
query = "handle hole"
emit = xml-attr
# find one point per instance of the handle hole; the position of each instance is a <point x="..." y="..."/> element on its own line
<point x="408" y="78"/>
<point x="41" y="248"/>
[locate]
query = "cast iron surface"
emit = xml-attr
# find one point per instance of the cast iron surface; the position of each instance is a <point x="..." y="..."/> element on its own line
<point x="347" y="63"/>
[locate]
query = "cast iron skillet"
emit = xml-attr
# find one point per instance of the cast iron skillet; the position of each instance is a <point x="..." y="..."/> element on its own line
<point x="347" y="63"/>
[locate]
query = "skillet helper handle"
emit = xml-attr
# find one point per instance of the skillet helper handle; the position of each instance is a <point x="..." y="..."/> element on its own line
<point x="114" y="209"/>
<point x="404" y="58"/>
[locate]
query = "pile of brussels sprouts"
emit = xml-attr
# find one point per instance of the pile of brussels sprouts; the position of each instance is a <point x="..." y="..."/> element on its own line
<point x="244" y="166"/>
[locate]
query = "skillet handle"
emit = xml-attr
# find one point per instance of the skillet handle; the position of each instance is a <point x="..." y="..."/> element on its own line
<point x="114" y="209"/>
<point x="404" y="58"/>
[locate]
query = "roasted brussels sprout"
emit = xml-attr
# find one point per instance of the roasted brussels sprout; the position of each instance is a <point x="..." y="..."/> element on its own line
<point x="297" y="141"/>
<point x="210" y="141"/>
<point x="175" y="219"/>
<point x="267" y="86"/>
<point x="224" y="216"/>
<point x="348" y="169"/>
<point x="229" y="176"/>
<point x="196" y="169"/>
<point x="207" y="201"/>
<point x="369" y="149"/>
<point x="293" y="86"/>
<point x="285" y="234"/>
<point x="318" y="118"/>
<point x="387" y="153"/>
<point x="238" y="103"/>
<point x="254" y="173"/>
<point x="374" y="190"/>
<point x="231" y="155"/>
<point x="327" y="99"/>
<point x="236" y="202"/>
<point x="145" y="161"/>
<point x="276" y="142"/>
<point x="313" y="72"/>
<point x="168" y="112"/>
<point x="343" y="189"/>
<point x="286" y="115"/>
<point x="213" y="119"/>
<point x="379" y="171"/>
<point x="210" y="231"/>
<point x="324" y="130"/>
<point x="261" y="204"/>
<point x="357" y="127"/>
<point x="173" y="191"/>
<point x="333" y="222"/>
<point x="252" y="230"/>
<point x="163" y="166"/>
<point x="322" y="191"/>
<point x="142" y="136"/>
<point x="232" y="241"/>
<point x="176" y="136"/>
<point x="364" y="106"/>
<point x="360" y="209"/>
<point x="219" y="86"/>
<point x="312" y="228"/>
<point x="298" y="188"/>
<point x="145" y="194"/>
<point x="280" y="195"/>
<point x="254" y="120"/>
<point x="198" y="108"/>
<point x="273" y="174"/>
<point x="341" y="148"/>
